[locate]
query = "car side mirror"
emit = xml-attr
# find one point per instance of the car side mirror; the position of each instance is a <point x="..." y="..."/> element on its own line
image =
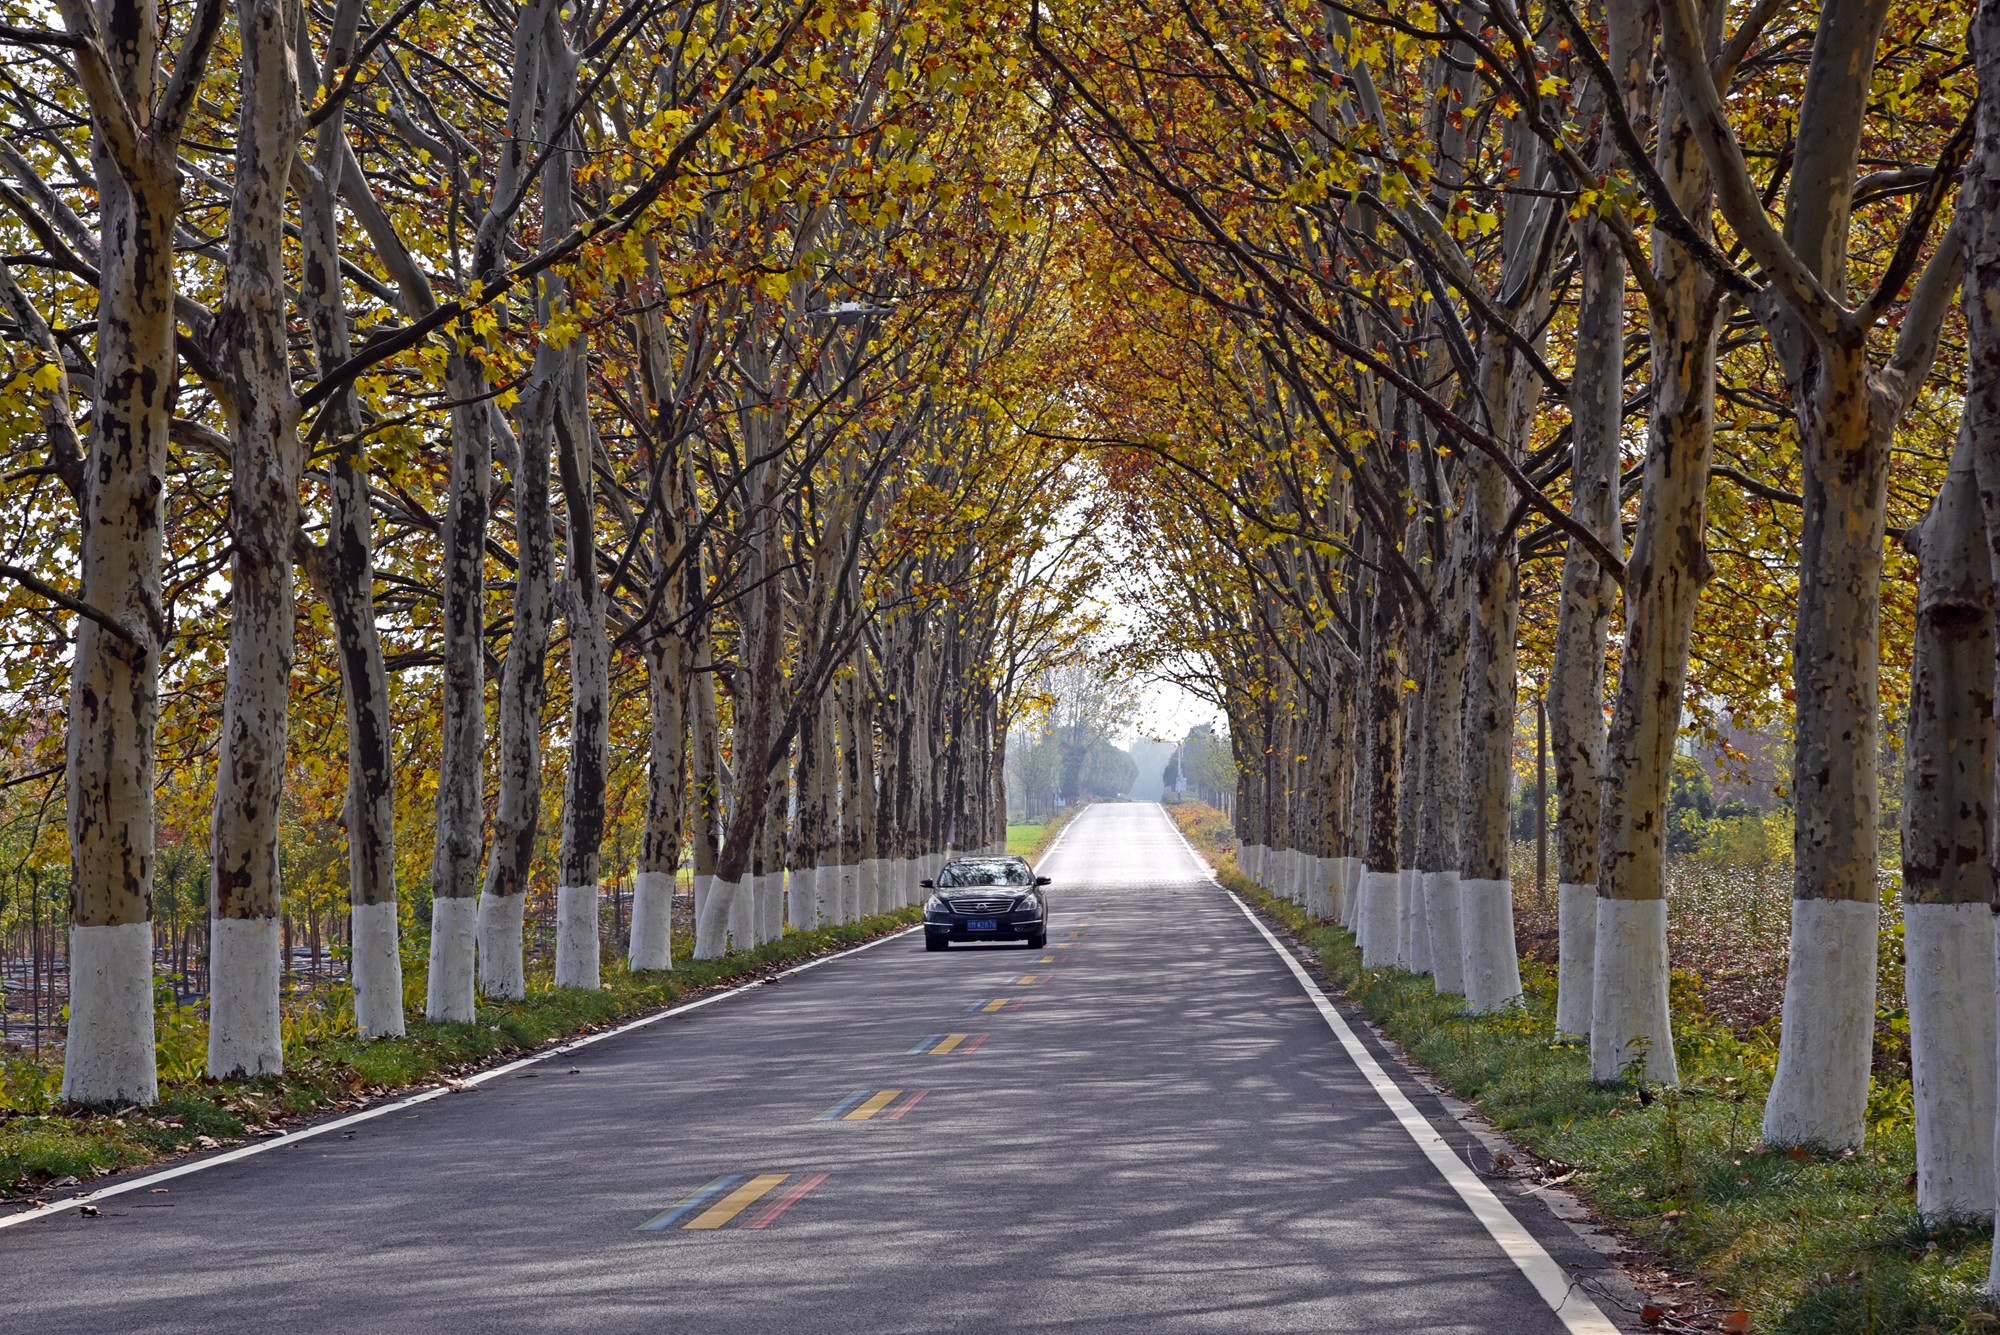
<point x="1044" y="880"/>
<point x="928" y="884"/>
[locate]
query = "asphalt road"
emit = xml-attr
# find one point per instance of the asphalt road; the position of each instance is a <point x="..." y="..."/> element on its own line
<point x="1153" y="1130"/>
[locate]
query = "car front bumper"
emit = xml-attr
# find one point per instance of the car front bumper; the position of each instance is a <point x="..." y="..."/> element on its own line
<point x="1005" y="928"/>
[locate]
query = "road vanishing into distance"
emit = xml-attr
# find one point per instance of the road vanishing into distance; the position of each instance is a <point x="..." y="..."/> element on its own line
<point x="1149" y="1126"/>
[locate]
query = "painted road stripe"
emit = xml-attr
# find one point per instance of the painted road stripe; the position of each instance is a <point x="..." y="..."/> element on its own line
<point x="926" y="1045"/>
<point x="987" y="1007"/>
<point x="841" y="1107"/>
<point x="950" y="1043"/>
<point x="1572" y="1306"/>
<point x="904" y="1107"/>
<point x="290" y="1138"/>
<point x="977" y="1043"/>
<point x="1048" y="959"/>
<point x="876" y="1103"/>
<point x="736" y="1202"/>
<point x="665" y="1218"/>
<point x="1030" y="979"/>
<point x="786" y="1201"/>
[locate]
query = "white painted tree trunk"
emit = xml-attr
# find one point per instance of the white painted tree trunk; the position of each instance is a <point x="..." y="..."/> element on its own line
<point x="1378" y="919"/>
<point x="741" y="912"/>
<point x="577" y="946"/>
<point x="1631" y="1033"/>
<point x="1576" y="925"/>
<point x="771" y="906"/>
<point x="449" y="988"/>
<point x="814" y="892"/>
<point x="702" y="886"/>
<point x="1492" y="971"/>
<point x="1949" y="978"/>
<point x="1441" y="916"/>
<point x="652" y="908"/>
<point x="243" y="965"/>
<point x="378" y="970"/>
<point x="711" y="917"/>
<point x="502" y="971"/>
<point x="110" y="1059"/>
<point x="1822" y="1064"/>
<point x="1416" y="920"/>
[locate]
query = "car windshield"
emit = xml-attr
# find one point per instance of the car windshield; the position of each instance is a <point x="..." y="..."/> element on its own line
<point x="984" y="873"/>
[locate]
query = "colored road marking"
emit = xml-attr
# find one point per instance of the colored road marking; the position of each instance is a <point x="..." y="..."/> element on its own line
<point x="786" y="1201"/>
<point x="1030" y="979"/>
<point x="876" y="1103"/>
<point x="977" y="1043"/>
<point x="1048" y="959"/>
<point x="926" y="1045"/>
<point x="950" y="1043"/>
<point x="841" y="1107"/>
<point x="907" y="1104"/>
<point x="988" y="1007"/>
<point x="665" y="1218"/>
<point x="736" y="1202"/>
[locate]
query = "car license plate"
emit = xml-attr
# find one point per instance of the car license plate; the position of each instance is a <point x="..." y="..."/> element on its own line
<point x="982" y="925"/>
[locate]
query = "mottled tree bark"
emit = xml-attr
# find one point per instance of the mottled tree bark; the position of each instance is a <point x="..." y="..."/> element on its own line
<point x="1631" y="1029"/>
<point x="344" y="570"/>
<point x="115" y="671"/>
<point x="1597" y="410"/>
<point x="1948" y="876"/>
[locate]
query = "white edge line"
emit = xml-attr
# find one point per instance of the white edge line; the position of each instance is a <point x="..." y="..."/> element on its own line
<point x="1565" y="1298"/>
<point x="383" y="1110"/>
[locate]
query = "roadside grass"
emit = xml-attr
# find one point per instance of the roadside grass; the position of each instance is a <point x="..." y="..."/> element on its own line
<point x="1806" y="1244"/>
<point x="47" y="1148"/>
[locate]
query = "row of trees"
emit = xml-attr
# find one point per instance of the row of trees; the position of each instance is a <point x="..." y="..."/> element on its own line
<point x="636" y="396"/>
<point x="1646" y="316"/>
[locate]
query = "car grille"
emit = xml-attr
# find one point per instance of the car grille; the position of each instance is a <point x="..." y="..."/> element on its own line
<point x="983" y="904"/>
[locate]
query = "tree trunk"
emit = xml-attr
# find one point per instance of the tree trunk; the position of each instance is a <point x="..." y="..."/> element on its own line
<point x="1948" y="877"/>
<point x="523" y="692"/>
<point x="1491" y="967"/>
<point x="666" y="793"/>
<point x="1979" y="222"/>
<point x="579" y="862"/>
<point x="115" y="674"/>
<point x="1380" y="909"/>
<point x="1630" y="1026"/>
<point x="1597" y="403"/>
<point x="346" y="575"/>
<point x="249" y="343"/>
<point x="705" y="802"/>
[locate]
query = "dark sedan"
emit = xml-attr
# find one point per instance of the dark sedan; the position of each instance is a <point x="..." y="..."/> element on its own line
<point x="986" y="899"/>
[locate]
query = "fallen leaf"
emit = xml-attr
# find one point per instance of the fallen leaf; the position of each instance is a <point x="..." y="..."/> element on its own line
<point x="1503" y="1163"/>
<point x="1736" y="1323"/>
<point x="90" y="1210"/>
<point x="1797" y="1154"/>
<point x="1652" y="1315"/>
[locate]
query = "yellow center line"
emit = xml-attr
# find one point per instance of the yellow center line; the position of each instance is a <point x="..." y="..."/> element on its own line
<point x="995" y="1004"/>
<point x="1048" y="959"/>
<point x="874" y="1105"/>
<point x="951" y="1041"/>
<point x="736" y="1202"/>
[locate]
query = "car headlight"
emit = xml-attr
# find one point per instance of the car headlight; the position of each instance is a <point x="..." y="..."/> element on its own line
<point x="935" y="907"/>
<point x="1026" y="902"/>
